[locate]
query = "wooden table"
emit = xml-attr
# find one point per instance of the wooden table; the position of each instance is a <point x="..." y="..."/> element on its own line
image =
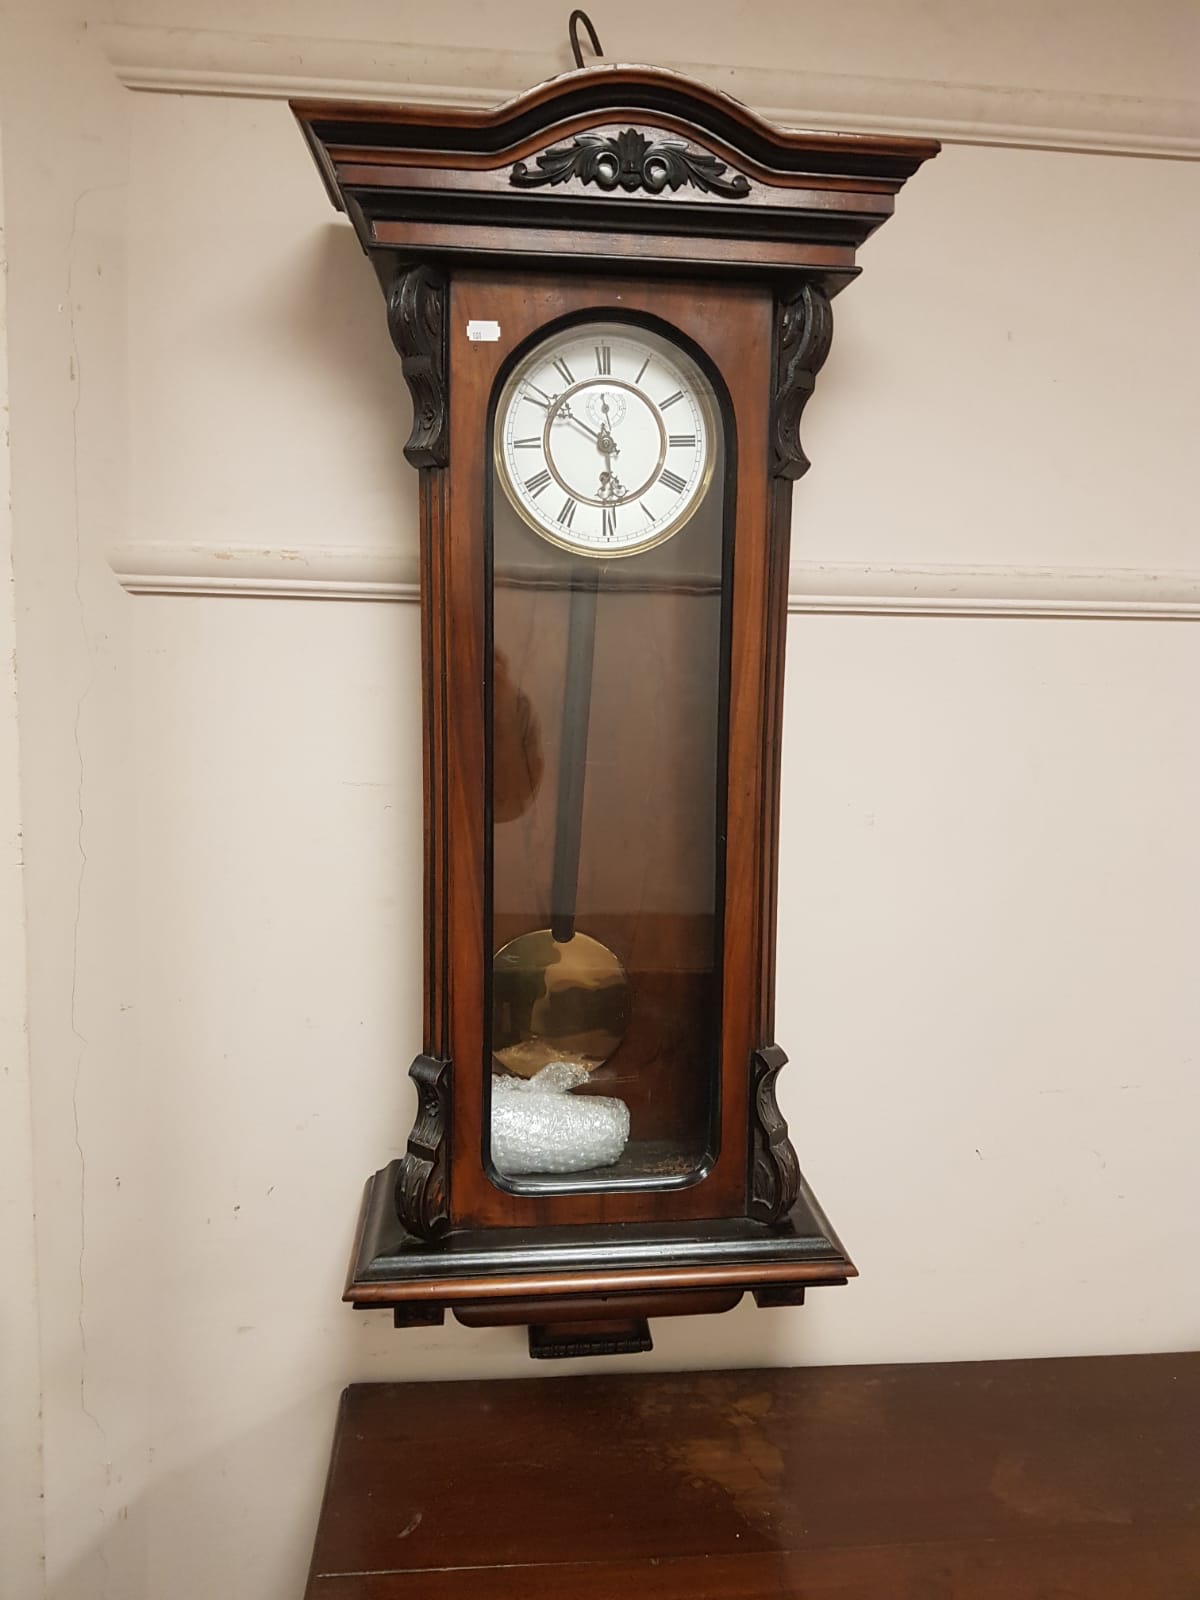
<point x="1015" y="1480"/>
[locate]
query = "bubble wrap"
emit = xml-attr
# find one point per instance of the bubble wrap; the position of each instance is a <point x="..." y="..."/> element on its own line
<point x="539" y="1126"/>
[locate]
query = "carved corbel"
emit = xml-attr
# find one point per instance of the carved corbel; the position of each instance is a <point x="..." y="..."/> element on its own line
<point x="423" y="1179"/>
<point x="774" y="1169"/>
<point x="418" y="323"/>
<point x="803" y="331"/>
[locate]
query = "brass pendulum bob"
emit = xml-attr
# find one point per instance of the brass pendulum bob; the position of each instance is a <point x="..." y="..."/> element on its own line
<point x="559" y="995"/>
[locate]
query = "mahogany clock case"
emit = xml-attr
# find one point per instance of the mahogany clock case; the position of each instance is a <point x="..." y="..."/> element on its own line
<point x="622" y="195"/>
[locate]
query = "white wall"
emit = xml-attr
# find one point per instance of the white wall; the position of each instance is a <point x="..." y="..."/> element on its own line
<point x="21" y="1531"/>
<point x="989" y="861"/>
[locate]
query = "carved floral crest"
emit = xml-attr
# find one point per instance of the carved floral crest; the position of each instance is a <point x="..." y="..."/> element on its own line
<point x="630" y="161"/>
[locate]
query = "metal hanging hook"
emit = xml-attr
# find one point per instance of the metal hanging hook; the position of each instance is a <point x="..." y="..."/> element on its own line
<point x="573" y="22"/>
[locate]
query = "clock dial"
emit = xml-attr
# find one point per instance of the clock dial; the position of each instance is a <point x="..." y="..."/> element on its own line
<point x="604" y="439"/>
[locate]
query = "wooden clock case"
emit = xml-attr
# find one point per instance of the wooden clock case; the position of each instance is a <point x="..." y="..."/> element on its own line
<point x="634" y="190"/>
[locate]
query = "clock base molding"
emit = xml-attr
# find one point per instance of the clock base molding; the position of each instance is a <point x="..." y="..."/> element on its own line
<point x="587" y="1290"/>
<point x="339" y="572"/>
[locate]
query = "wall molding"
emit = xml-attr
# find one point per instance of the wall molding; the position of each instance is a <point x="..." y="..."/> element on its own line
<point x="347" y="572"/>
<point x="175" y="60"/>
<point x="306" y="572"/>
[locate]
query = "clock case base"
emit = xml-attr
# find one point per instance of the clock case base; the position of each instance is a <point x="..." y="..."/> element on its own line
<point x="587" y="1290"/>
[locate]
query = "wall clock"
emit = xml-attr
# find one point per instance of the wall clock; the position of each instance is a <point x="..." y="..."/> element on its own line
<point x="610" y="298"/>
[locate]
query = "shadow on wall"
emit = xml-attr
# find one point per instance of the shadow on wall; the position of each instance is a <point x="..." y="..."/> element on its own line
<point x="743" y="1337"/>
<point x="329" y="314"/>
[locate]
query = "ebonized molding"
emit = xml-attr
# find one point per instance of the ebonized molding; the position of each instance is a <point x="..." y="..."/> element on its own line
<point x="774" y="1169"/>
<point x="393" y="1267"/>
<point x="803" y="334"/>
<point x="416" y="314"/>
<point x="422" y="1190"/>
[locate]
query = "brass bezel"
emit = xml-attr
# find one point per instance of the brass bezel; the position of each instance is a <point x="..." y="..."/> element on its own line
<point x="690" y="372"/>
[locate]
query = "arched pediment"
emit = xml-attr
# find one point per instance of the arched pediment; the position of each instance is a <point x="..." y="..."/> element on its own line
<point x="610" y="162"/>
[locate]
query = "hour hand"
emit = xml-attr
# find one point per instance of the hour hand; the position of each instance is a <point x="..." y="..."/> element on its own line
<point x="565" y="411"/>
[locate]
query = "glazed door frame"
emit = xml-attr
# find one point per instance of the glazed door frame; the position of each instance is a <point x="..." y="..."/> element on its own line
<point x="733" y="325"/>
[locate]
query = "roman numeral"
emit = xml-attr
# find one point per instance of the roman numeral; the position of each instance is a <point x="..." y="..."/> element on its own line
<point x="603" y="360"/>
<point x="670" y="400"/>
<point x="567" y="515"/>
<point x="563" y="370"/>
<point x="672" y="480"/>
<point x="682" y="441"/>
<point x="532" y="443"/>
<point x="539" y="397"/>
<point x="642" y="369"/>
<point x="609" y="520"/>
<point x="537" y="483"/>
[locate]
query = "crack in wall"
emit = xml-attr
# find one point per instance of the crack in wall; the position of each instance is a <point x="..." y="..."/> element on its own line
<point x="76" y="379"/>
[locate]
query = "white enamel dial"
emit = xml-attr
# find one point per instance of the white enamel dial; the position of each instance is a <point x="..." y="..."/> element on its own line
<point x="604" y="438"/>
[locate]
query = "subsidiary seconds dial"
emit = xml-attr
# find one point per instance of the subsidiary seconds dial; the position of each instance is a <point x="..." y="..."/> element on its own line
<point x="604" y="438"/>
